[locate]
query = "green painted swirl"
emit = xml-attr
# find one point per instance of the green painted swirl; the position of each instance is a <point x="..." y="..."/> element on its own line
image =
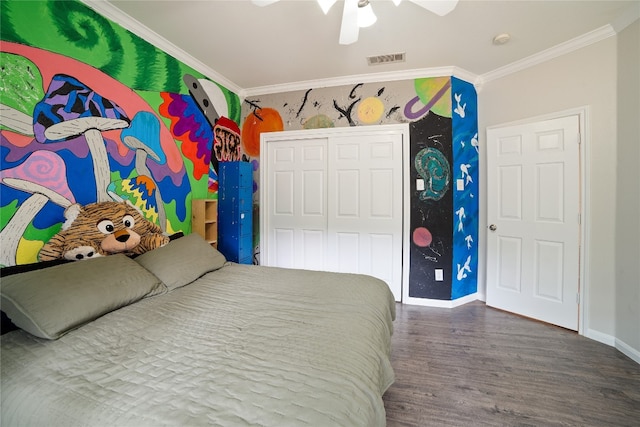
<point x="72" y="29"/>
<point x="434" y="168"/>
<point x="88" y="33"/>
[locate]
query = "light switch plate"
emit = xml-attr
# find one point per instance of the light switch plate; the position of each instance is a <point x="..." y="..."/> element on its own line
<point x="420" y="184"/>
<point x="439" y="275"/>
<point x="460" y="184"/>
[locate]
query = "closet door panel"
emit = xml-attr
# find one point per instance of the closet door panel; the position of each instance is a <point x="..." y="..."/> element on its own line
<point x="313" y="247"/>
<point x="365" y="204"/>
<point x="346" y="194"/>
<point x="283" y="247"/>
<point x="296" y="186"/>
<point x="380" y="182"/>
<point x="380" y="260"/>
<point x="313" y="187"/>
<point x="284" y="195"/>
<point x="346" y="245"/>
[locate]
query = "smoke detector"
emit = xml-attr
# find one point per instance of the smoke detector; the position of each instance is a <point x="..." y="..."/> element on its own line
<point x="501" y="39"/>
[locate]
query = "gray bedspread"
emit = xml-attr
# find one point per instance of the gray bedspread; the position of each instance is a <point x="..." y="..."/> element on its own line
<point x="243" y="345"/>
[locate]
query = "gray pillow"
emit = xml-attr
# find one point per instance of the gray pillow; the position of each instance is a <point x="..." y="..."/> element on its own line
<point x="182" y="261"/>
<point x="50" y="302"/>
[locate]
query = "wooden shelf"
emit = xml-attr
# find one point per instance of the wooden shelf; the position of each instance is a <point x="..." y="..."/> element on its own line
<point x="204" y="219"/>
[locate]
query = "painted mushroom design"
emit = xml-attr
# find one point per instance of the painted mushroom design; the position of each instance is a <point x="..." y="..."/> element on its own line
<point x="43" y="175"/>
<point x="143" y="136"/>
<point x="70" y="109"/>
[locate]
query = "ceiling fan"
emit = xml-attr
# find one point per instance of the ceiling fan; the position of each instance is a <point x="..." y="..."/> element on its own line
<point x="357" y="14"/>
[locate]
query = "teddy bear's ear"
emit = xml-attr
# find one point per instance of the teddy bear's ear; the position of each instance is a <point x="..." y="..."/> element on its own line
<point x="70" y="215"/>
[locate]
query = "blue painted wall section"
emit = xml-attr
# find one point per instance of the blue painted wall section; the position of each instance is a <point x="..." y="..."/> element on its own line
<point x="465" y="189"/>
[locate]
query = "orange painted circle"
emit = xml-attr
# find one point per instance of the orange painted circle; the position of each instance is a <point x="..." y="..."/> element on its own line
<point x="269" y="121"/>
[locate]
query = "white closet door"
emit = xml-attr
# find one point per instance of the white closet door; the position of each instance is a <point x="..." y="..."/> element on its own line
<point x="298" y="215"/>
<point x="365" y="206"/>
<point x="333" y="200"/>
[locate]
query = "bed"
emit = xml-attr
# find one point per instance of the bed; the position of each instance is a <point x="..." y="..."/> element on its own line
<point x="180" y="337"/>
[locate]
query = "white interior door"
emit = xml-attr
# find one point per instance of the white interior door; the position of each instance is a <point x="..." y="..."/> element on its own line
<point x="533" y="242"/>
<point x="333" y="200"/>
<point x="365" y="206"/>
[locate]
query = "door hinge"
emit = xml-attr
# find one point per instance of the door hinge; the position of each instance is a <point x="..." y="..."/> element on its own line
<point x="578" y="298"/>
<point x="579" y="219"/>
<point x="579" y="138"/>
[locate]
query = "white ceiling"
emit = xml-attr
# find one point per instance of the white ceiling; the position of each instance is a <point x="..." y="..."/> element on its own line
<point x="252" y="47"/>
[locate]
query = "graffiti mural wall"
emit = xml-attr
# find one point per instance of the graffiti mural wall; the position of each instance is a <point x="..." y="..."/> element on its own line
<point x="442" y="113"/>
<point x="90" y="112"/>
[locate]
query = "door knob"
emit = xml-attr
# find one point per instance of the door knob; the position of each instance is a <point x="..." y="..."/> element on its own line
<point x="493" y="227"/>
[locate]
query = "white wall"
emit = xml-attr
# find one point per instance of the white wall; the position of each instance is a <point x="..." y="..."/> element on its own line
<point x="586" y="77"/>
<point x="627" y="234"/>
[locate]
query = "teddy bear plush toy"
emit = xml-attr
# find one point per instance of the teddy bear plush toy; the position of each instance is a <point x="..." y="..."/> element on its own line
<point x="101" y="229"/>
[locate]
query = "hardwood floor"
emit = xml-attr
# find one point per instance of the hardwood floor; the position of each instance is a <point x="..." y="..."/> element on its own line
<point x="477" y="366"/>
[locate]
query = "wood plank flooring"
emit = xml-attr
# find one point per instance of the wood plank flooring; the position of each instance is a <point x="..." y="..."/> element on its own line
<point x="477" y="366"/>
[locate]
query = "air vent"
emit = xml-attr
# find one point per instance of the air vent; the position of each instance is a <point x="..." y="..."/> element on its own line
<point x="386" y="59"/>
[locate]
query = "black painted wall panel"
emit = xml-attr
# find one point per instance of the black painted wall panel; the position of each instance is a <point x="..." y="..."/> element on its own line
<point x="432" y="209"/>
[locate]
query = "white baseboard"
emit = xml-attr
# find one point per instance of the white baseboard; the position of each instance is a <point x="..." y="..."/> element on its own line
<point x="627" y="350"/>
<point x="612" y="341"/>
<point x="601" y="337"/>
<point x="439" y="302"/>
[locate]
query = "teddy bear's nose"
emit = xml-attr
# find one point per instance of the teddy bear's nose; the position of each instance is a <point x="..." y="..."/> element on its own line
<point x="121" y="236"/>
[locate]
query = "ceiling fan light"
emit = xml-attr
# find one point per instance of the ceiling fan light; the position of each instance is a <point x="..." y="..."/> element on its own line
<point x="397" y="2"/>
<point x="366" y="17"/>
<point x="325" y="5"/>
<point x="263" y="3"/>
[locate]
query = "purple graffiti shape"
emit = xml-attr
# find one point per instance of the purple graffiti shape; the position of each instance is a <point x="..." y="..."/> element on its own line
<point x="408" y="109"/>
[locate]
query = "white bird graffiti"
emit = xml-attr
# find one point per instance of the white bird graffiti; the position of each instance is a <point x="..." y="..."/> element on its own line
<point x="461" y="216"/>
<point x="474" y="142"/>
<point x="469" y="240"/>
<point x="462" y="271"/>
<point x="459" y="108"/>
<point x="464" y="168"/>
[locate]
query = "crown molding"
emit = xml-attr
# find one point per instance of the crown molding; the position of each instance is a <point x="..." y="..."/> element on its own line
<point x="574" y="44"/>
<point x="111" y="12"/>
<point x="116" y="15"/>
<point x="363" y="78"/>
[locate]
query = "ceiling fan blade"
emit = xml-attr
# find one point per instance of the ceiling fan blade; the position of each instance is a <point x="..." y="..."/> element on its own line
<point x="349" y="28"/>
<point x="439" y="7"/>
<point x="263" y="2"/>
<point x="325" y="5"/>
